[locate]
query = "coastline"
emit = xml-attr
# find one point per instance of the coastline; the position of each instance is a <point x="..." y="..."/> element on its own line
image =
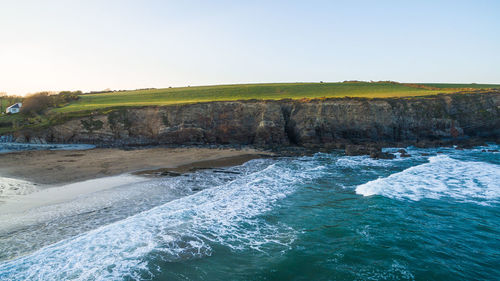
<point x="34" y="184"/>
<point x="328" y="123"/>
<point x="52" y="168"/>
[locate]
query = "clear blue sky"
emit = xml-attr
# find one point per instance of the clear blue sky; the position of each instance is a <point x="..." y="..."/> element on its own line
<point x="93" y="45"/>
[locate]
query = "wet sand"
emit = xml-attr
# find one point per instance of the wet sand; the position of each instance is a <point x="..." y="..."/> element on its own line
<point x="33" y="184"/>
<point x="62" y="167"/>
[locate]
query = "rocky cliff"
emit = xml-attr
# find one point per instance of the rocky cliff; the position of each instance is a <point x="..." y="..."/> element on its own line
<point x="320" y="123"/>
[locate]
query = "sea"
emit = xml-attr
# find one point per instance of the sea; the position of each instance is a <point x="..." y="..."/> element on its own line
<point x="8" y="147"/>
<point x="432" y="216"/>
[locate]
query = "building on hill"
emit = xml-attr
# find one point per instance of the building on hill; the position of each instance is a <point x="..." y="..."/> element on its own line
<point x="14" y="108"/>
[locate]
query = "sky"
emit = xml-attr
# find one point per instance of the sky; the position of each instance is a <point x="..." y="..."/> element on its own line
<point x="123" y="44"/>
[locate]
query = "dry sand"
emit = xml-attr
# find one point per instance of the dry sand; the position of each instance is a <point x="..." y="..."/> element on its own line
<point x="36" y="186"/>
<point x="60" y="167"/>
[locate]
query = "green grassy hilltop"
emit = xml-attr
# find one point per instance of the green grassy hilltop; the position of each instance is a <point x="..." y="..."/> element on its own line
<point x="245" y="92"/>
<point x="86" y="103"/>
<point x="261" y="92"/>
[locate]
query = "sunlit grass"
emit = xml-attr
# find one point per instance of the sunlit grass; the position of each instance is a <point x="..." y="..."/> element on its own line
<point x="170" y="96"/>
<point x="461" y="86"/>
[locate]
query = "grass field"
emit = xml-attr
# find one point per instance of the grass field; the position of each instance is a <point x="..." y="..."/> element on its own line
<point x="461" y="86"/>
<point x="277" y="91"/>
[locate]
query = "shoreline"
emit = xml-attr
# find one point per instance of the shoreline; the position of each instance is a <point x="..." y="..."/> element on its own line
<point x="49" y="168"/>
<point x="32" y="186"/>
<point x="17" y="204"/>
<point x="60" y="167"/>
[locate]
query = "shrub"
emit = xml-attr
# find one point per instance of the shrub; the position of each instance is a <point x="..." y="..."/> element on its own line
<point x="39" y="102"/>
<point x="36" y="103"/>
<point x="65" y="97"/>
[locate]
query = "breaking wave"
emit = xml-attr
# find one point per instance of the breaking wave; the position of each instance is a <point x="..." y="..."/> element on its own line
<point x="182" y="229"/>
<point x="443" y="176"/>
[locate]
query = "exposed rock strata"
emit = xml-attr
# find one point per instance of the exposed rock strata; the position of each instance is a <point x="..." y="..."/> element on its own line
<point x="315" y="123"/>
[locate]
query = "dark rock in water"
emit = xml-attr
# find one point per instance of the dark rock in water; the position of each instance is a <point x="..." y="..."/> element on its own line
<point x="484" y="150"/>
<point x="374" y="151"/>
<point x="493" y="150"/>
<point x="381" y="155"/>
<point x="403" y="153"/>
<point x="20" y="138"/>
<point x="470" y="143"/>
<point x="439" y="152"/>
<point x="426" y="144"/>
<point x="356" y="150"/>
<point x="424" y="154"/>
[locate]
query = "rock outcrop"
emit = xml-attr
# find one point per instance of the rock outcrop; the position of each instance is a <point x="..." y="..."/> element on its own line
<point x="312" y="123"/>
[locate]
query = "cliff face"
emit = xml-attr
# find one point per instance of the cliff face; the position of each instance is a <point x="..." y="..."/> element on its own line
<point x="325" y="123"/>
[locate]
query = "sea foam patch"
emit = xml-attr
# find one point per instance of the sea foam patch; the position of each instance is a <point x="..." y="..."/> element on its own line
<point x="99" y="204"/>
<point x="182" y="229"/>
<point x="13" y="187"/>
<point x="443" y="176"/>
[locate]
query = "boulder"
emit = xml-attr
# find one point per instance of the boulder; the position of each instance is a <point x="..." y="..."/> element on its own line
<point x="20" y="139"/>
<point x="356" y="150"/>
<point x="381" y="155"/>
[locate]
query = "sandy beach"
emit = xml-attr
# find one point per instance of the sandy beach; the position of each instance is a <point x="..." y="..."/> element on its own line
<point x="37" y="186"/>
<point x="66" y="166"/>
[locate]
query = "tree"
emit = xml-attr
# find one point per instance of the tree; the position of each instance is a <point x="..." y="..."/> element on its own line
<point x="36" y="103"/>
<point x="65" y="97"/>
<point x="2" y="98"/>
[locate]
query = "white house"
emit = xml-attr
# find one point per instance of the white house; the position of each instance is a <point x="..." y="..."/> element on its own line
<point x="14" y="108"/>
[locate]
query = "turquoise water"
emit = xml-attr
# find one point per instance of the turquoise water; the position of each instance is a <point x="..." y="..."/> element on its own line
<point x="324" y="217"/>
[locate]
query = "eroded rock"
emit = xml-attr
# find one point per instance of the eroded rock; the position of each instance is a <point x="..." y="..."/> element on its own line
<point x="328" y="123"/>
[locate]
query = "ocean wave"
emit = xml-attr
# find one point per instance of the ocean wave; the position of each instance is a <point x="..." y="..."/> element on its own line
<point x="362" y="161"/>
<point x="227" y="215"/>
<point x="98" y="205"/>
<point x="442" y="176"/>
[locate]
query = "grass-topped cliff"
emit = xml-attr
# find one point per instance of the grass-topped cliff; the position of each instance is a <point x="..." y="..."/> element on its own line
<point x="276" y="91"/>
<point x="81" y="104"/>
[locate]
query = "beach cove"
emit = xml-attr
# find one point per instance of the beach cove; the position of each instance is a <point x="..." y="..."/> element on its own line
<point x="348" y="217"/>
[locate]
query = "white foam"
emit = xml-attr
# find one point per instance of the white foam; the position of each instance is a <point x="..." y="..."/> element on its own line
<point x="465" y="181"/>
<point x="99" y="202"/>
<point x="41" y="204"/>
<point x="360" y="161"/>
<point x="13" y="187"/>
<point x="181" y="229"/>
